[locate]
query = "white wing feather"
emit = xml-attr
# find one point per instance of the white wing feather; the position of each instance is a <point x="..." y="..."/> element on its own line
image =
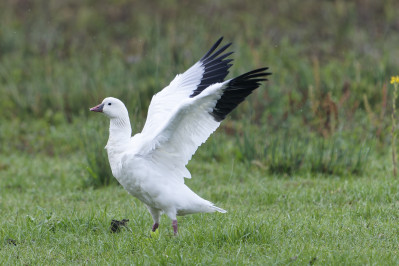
<point x="165" y="101"/>
<point x="189" y="125"/>
<point x="179" y="118"/>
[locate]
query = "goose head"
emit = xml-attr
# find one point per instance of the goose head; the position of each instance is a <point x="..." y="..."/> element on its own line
<point x="111" y="107"/>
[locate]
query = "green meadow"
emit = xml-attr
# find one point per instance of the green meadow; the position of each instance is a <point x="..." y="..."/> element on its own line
<point x="303" y="166"/>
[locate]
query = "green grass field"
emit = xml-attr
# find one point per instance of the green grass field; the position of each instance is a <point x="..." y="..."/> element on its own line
<point x="303" y="167"/>
<point x="271" y="219"/>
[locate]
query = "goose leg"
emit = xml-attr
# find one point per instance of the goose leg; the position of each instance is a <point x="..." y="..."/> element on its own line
<point x="171" y="213"/>
<point x="155" y="213"/>
<point x="174" y="224"/>
<point x="155" y="226"/>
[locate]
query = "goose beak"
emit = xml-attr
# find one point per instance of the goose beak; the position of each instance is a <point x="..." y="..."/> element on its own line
<point x="98" y="108"/>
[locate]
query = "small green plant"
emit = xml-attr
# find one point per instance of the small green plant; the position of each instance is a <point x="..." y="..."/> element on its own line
<point x="395" y="82"/>
<point x="335" y="155"/>
<point x="247" y="147"/>
<point x="286" y="154"/>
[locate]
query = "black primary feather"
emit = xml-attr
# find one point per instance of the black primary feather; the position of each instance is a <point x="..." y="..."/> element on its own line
<point x="237" y="90"/>
<point x="216" y="67"/>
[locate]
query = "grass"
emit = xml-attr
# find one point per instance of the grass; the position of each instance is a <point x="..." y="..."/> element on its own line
<point x="303" y="167"/>
<point x="270" y="219"/>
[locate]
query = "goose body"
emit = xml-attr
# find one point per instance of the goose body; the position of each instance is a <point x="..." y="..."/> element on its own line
<point x="151" y="165"/>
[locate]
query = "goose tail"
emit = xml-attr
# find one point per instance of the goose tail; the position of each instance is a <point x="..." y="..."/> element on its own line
<point x="215" y="208"/>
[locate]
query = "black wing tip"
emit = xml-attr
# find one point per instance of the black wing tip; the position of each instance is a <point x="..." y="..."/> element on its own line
<point x="212" y="55"/>
<point x="251" y="75"/>
<point x="256" y="71"/>
<point x="237" y="90"/>
<point x="218" y="118"/>
<point x="216" y="66"/>
<point x="213" y="48"/>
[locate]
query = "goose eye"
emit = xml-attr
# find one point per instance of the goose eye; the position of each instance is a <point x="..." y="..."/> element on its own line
<point x="109" y="103"/>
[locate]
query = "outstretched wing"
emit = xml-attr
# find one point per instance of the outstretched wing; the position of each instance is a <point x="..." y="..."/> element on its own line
<point x="211" y="68"/>
<point x="194" y="119"/>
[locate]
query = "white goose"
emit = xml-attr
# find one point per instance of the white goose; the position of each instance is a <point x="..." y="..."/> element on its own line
<point x="151" y="165"/>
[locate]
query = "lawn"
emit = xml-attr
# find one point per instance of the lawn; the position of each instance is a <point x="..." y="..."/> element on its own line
<point x="303" y="167"/>
<point x="48" y="218"/>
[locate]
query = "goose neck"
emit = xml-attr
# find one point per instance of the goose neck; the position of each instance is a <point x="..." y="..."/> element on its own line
<point x="119" y="131"/>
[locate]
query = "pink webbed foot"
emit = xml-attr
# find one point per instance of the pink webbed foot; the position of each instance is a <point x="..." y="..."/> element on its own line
<point x="174" y="224"/>
<point x="154" y="227"/>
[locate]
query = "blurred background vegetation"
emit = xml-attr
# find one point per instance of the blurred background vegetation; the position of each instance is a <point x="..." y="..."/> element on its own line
<point x="325" y="109"/>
